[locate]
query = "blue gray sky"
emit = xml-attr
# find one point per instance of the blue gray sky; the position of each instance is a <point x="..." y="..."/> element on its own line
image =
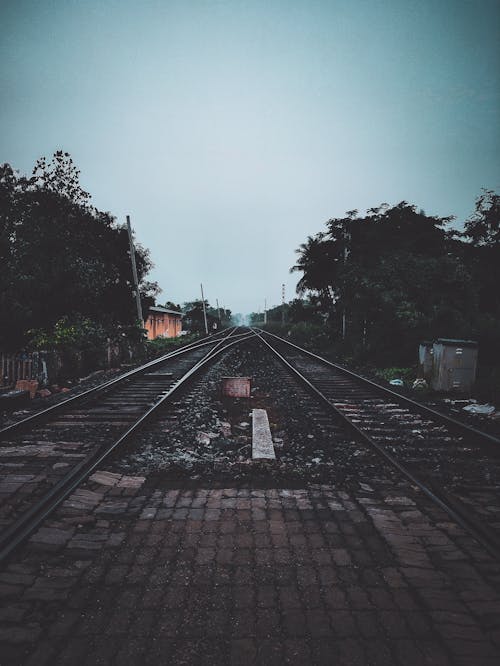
<point x="231" y="130"/>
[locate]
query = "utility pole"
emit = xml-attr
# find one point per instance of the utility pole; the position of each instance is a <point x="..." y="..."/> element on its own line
<point x="265" y="311"/>
<point x="134" y="273"/>
<point x="347" y="238"/>
<point x="204" y="310"/>
<point x="282" y="304"/>
<point x="218" y="312"/>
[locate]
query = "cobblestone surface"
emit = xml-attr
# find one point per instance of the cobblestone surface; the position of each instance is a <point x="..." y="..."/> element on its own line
<point x="130" y="572"/>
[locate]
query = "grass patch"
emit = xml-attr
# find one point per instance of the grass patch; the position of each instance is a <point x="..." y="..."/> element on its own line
<point x="406" y="374"/>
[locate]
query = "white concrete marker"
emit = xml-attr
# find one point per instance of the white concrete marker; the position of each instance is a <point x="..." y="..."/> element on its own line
<point x="262" y="442"/>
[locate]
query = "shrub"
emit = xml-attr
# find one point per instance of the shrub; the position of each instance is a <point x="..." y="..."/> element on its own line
<point x="406" y="374"/>
<point x="161" y="346"/>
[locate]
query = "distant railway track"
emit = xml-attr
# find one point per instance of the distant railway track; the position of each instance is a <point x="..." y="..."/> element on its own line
<point x="422" y="444"/>
<point x="105" y="387"/>
<point x="81" y="432"/>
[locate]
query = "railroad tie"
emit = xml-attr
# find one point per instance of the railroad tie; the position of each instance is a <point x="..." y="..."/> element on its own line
<point x="262" y="441"/>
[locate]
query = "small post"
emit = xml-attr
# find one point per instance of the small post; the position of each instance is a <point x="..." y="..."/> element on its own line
<point x="282" y="304"/>
<point x="204" y="309"/>
<point x="134" y="273"/>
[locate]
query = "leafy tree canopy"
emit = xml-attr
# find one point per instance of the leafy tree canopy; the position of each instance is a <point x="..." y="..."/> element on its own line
<point x="194" y="318"/>
<point x="62" y="259"/>
<point x="396" y="275"/>
<point x="483" y="227"/>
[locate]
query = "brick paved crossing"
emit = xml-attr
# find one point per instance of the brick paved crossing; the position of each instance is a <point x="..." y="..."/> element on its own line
<point x="128" y="572"/>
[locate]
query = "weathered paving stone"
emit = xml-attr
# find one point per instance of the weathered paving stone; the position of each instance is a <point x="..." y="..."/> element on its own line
<point x="52" y="536"/>
<point x="239" y="575"/>
<point x="12" y="613"/>
<point x="28" y="633"/>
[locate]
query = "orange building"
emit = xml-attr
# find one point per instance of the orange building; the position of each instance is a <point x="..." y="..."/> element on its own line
<point x="163" y="323"/>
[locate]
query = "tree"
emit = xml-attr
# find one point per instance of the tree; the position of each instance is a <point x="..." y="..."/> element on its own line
<point x="194" y="320"/>
<point x="483" y="227"/>
<point x="61" y="257"/>
<point x="169" y="305"/>
<point x="394" y="274"/>
<point x="482" y="255"/>
<point x="317" y="261"/>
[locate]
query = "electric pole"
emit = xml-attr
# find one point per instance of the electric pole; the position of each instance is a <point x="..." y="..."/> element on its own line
<point x="282" y="304"/>
<point x="218" y="312"/>
<point x="134" y="273"/>
<point x="265" y="311"/>
<point x="347" y="238"/>
<point x="204" y="309"/>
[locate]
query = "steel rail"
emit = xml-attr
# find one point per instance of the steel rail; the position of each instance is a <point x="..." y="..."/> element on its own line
<point x="102" y="388"/>
<point x="484" y="535"/>
<point x="418" y="406"/>
<point x="25" y="525"/>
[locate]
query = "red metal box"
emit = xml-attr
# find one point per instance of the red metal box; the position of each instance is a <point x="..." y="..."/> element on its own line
<point x="236" y="387"/>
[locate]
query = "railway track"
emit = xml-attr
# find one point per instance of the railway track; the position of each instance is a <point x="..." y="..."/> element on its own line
<point x="45" y="456"/>
<point x="52" y="452"/>
<point x="152" y="565"/>
<point x="430" y="449"/>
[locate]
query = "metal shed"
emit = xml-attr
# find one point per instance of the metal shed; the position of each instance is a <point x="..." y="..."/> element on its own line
<point x="425" y="360"/>
<point x="454" y="365"/>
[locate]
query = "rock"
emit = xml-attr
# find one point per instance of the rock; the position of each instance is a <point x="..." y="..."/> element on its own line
<point x="203" y="438"/>
<point x="225" y="428"/>
<point x="241" y="429"/>
<point x="419" y="384"/>
<point x="30" y="385"/>
<point x="485" y="410"/>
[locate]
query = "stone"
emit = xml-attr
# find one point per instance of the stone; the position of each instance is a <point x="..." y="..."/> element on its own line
<point x="52" y="536"/>
<point x="262" y="441"/>
<point x="17" y="635"/>
<point x="225" y="429"/>
<point x="30" y="385"/>
<point x="203" y="439"/>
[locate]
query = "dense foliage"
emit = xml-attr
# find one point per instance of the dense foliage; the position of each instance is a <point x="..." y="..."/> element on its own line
<point x="66" y="274"/>
<point x="388" y="279"/>
<point x="194" y="320"/>
<point x="160" y="346"/>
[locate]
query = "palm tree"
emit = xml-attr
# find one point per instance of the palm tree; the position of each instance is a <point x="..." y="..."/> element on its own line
<point x="317" y="263"/>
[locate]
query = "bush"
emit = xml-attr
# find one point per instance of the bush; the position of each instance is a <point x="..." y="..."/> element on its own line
<point x="70" y="333"/>
<point x="314" y="337"/>
<point x="161" y="346"/>
<point x="406" y="374"/>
